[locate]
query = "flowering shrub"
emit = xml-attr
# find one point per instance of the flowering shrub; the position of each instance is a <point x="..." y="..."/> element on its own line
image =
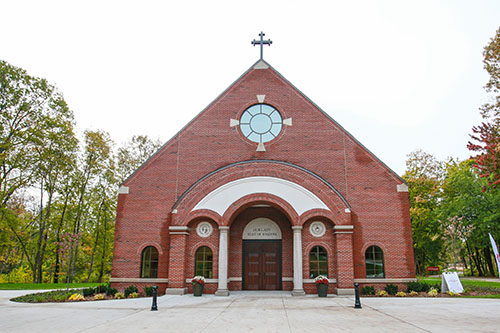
<point x="76" y="297"/>
<point x="98" y="297"/>
<point x="382" y="293"/>
<point x="133" y="295"/>
<point x="320" y="279"/>
<point x="401" y="294"/>
<point x="413" y="293"/>
<point x="198" y="280"/>
<point x="433" y="292"/>
<point x="119" y="295"/>
<point x="130" y="289"/>
<point x="451" y="293"/>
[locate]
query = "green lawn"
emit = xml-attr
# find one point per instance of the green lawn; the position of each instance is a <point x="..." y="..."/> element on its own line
<point x="35" y="286"/>
<point x="466" y="282"/>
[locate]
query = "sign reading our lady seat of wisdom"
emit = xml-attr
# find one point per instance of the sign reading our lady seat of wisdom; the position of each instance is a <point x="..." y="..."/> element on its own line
<point x="262" y="228"/>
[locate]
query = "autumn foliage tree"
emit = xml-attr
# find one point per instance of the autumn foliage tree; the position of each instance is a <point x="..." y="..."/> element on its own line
<point x="486" y="137"/>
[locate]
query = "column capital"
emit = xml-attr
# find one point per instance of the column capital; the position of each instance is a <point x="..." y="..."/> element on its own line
<point x="223" y="228"/>
<point x="296" y="228"/>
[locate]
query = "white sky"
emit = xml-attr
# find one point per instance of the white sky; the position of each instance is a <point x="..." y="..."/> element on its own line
<point x="398" y="75"/>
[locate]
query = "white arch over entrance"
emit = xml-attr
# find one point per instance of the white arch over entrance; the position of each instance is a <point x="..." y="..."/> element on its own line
<point x="300" y="198"/>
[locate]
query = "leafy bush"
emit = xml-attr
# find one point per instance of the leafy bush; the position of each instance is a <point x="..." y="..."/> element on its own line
<point x="418" y="286"/>
<point x="391" y="289"/>
<point x="98" y="297"/>
<point x="133" y="295"/>
<point x="413" y="293"/>
<point x="102" y="288"/>
<point x="130" y="289"/>
<point x="148" y="291"/>
<point x="49" y="296"/>
<point x="119" y="296"/>
<point x="401" y="294"/>
<point x="88" y="291"/>
<point x="111" y="291"/>
<point x="382" y="293"/>
<point x="76" y="297"/>
<point x="368" y="290"/>
<point x="432" y="292"/>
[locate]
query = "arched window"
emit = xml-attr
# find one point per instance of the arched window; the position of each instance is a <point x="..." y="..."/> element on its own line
<point x="149" y="262"/>
<point x="203" y="262"/>
<point x="318" y="262"/>
<point x="374" y="258"/>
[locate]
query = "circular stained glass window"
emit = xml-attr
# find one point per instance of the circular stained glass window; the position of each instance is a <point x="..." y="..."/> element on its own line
<point x="261" y="123"/>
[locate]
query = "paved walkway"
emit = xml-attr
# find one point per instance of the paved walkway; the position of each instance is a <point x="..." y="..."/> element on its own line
<point x="255" y="312"/>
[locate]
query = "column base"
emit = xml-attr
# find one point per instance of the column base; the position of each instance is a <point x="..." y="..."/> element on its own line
<point x="345" y="291"/>
<point x="298" y="292"/>
<point x="176" y="291"/>
<point x="222" y="292"/>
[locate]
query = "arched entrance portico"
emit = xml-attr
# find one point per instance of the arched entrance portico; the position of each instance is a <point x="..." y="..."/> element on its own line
<point x="232" y="202"/>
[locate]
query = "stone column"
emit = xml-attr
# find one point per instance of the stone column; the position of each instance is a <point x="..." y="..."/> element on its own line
<point x="176" y="271"/>
<point x="223" y="254"/>
<point x="345" y="259"/>
<point x="298" y="286"/>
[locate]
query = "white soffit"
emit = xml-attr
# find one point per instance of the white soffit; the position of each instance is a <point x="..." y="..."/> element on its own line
<point x="300" y="198"/>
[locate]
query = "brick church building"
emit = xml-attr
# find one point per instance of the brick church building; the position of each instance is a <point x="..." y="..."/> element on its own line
<point x="262" y="191"/>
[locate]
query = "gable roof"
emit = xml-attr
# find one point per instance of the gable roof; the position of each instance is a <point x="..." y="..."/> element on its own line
<point x="262" y="65"/>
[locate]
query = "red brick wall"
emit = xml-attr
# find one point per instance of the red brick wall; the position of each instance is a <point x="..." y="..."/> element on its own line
<point x="380" y="214"/>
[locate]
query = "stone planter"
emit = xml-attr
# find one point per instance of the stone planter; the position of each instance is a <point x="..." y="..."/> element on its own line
<point x="198" y="289"/>
<point x="322" y="289"/>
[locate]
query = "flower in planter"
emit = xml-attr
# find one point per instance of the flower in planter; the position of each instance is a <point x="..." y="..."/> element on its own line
<point x="320" y="279"/>
<point x="401" y="294"/>
<point x="98" y="297"/>
<point x="198" y="280"/>
<point x="413" y="293"/>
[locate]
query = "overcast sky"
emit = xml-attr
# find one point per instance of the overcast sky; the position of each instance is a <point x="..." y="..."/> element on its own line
<point x="398" y="75"/>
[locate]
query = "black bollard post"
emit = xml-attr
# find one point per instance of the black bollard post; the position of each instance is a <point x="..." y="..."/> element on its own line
<point x="357" y="303"/>
<point x="154" y="307"/>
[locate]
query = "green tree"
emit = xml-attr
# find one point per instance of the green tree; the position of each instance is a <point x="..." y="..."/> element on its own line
<point x="133" y="154"/>
<point x="469" y="214"/>
<point x="424" y="177"/>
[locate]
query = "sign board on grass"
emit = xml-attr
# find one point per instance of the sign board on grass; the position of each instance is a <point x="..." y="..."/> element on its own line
<point x="451" y="282"/>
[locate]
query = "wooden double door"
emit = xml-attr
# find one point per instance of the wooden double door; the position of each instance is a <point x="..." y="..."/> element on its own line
<point x="262" y="265"/>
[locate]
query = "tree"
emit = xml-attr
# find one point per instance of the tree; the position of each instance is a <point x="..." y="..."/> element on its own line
<point x="486" y="137"/>
<point x="468" y="214"/>
<point x="424" y="177"/>
<point x="134" y="153"/>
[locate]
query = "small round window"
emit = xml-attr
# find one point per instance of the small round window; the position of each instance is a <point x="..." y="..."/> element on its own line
<point x="261" y="123"/>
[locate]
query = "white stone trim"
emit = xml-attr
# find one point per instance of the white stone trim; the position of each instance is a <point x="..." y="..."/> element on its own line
<point x="176" y="291"/>
<point x="178" y="228"/>
<point x="235" y="279"/>
<point x="261" y="98"/>
<point x="347" y="210"/>
<point x="402" y="187"/>
<point x="287" y="279"/>
<point x="261" y="147"/>
<point x="123" y="190"/>
<point x="300" y="198"/>
<point x="260" y="65"/>
<point x="287" y="121"/>
<point x="204" y="233"/>
<point x="375" y="280"/>
<point x="345" y="291"/>
<point x="343" y="227"/>
<point x="317" y="229"/>
<point x="138" y="280"/>
<point x="179" y="233"/>
<point x="312" y="280"/>
<point x="206" y="280"/>
<point x="233" y="122"/>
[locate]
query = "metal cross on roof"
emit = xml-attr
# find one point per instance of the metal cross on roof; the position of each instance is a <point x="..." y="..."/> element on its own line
<point x="262" y="42"/>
